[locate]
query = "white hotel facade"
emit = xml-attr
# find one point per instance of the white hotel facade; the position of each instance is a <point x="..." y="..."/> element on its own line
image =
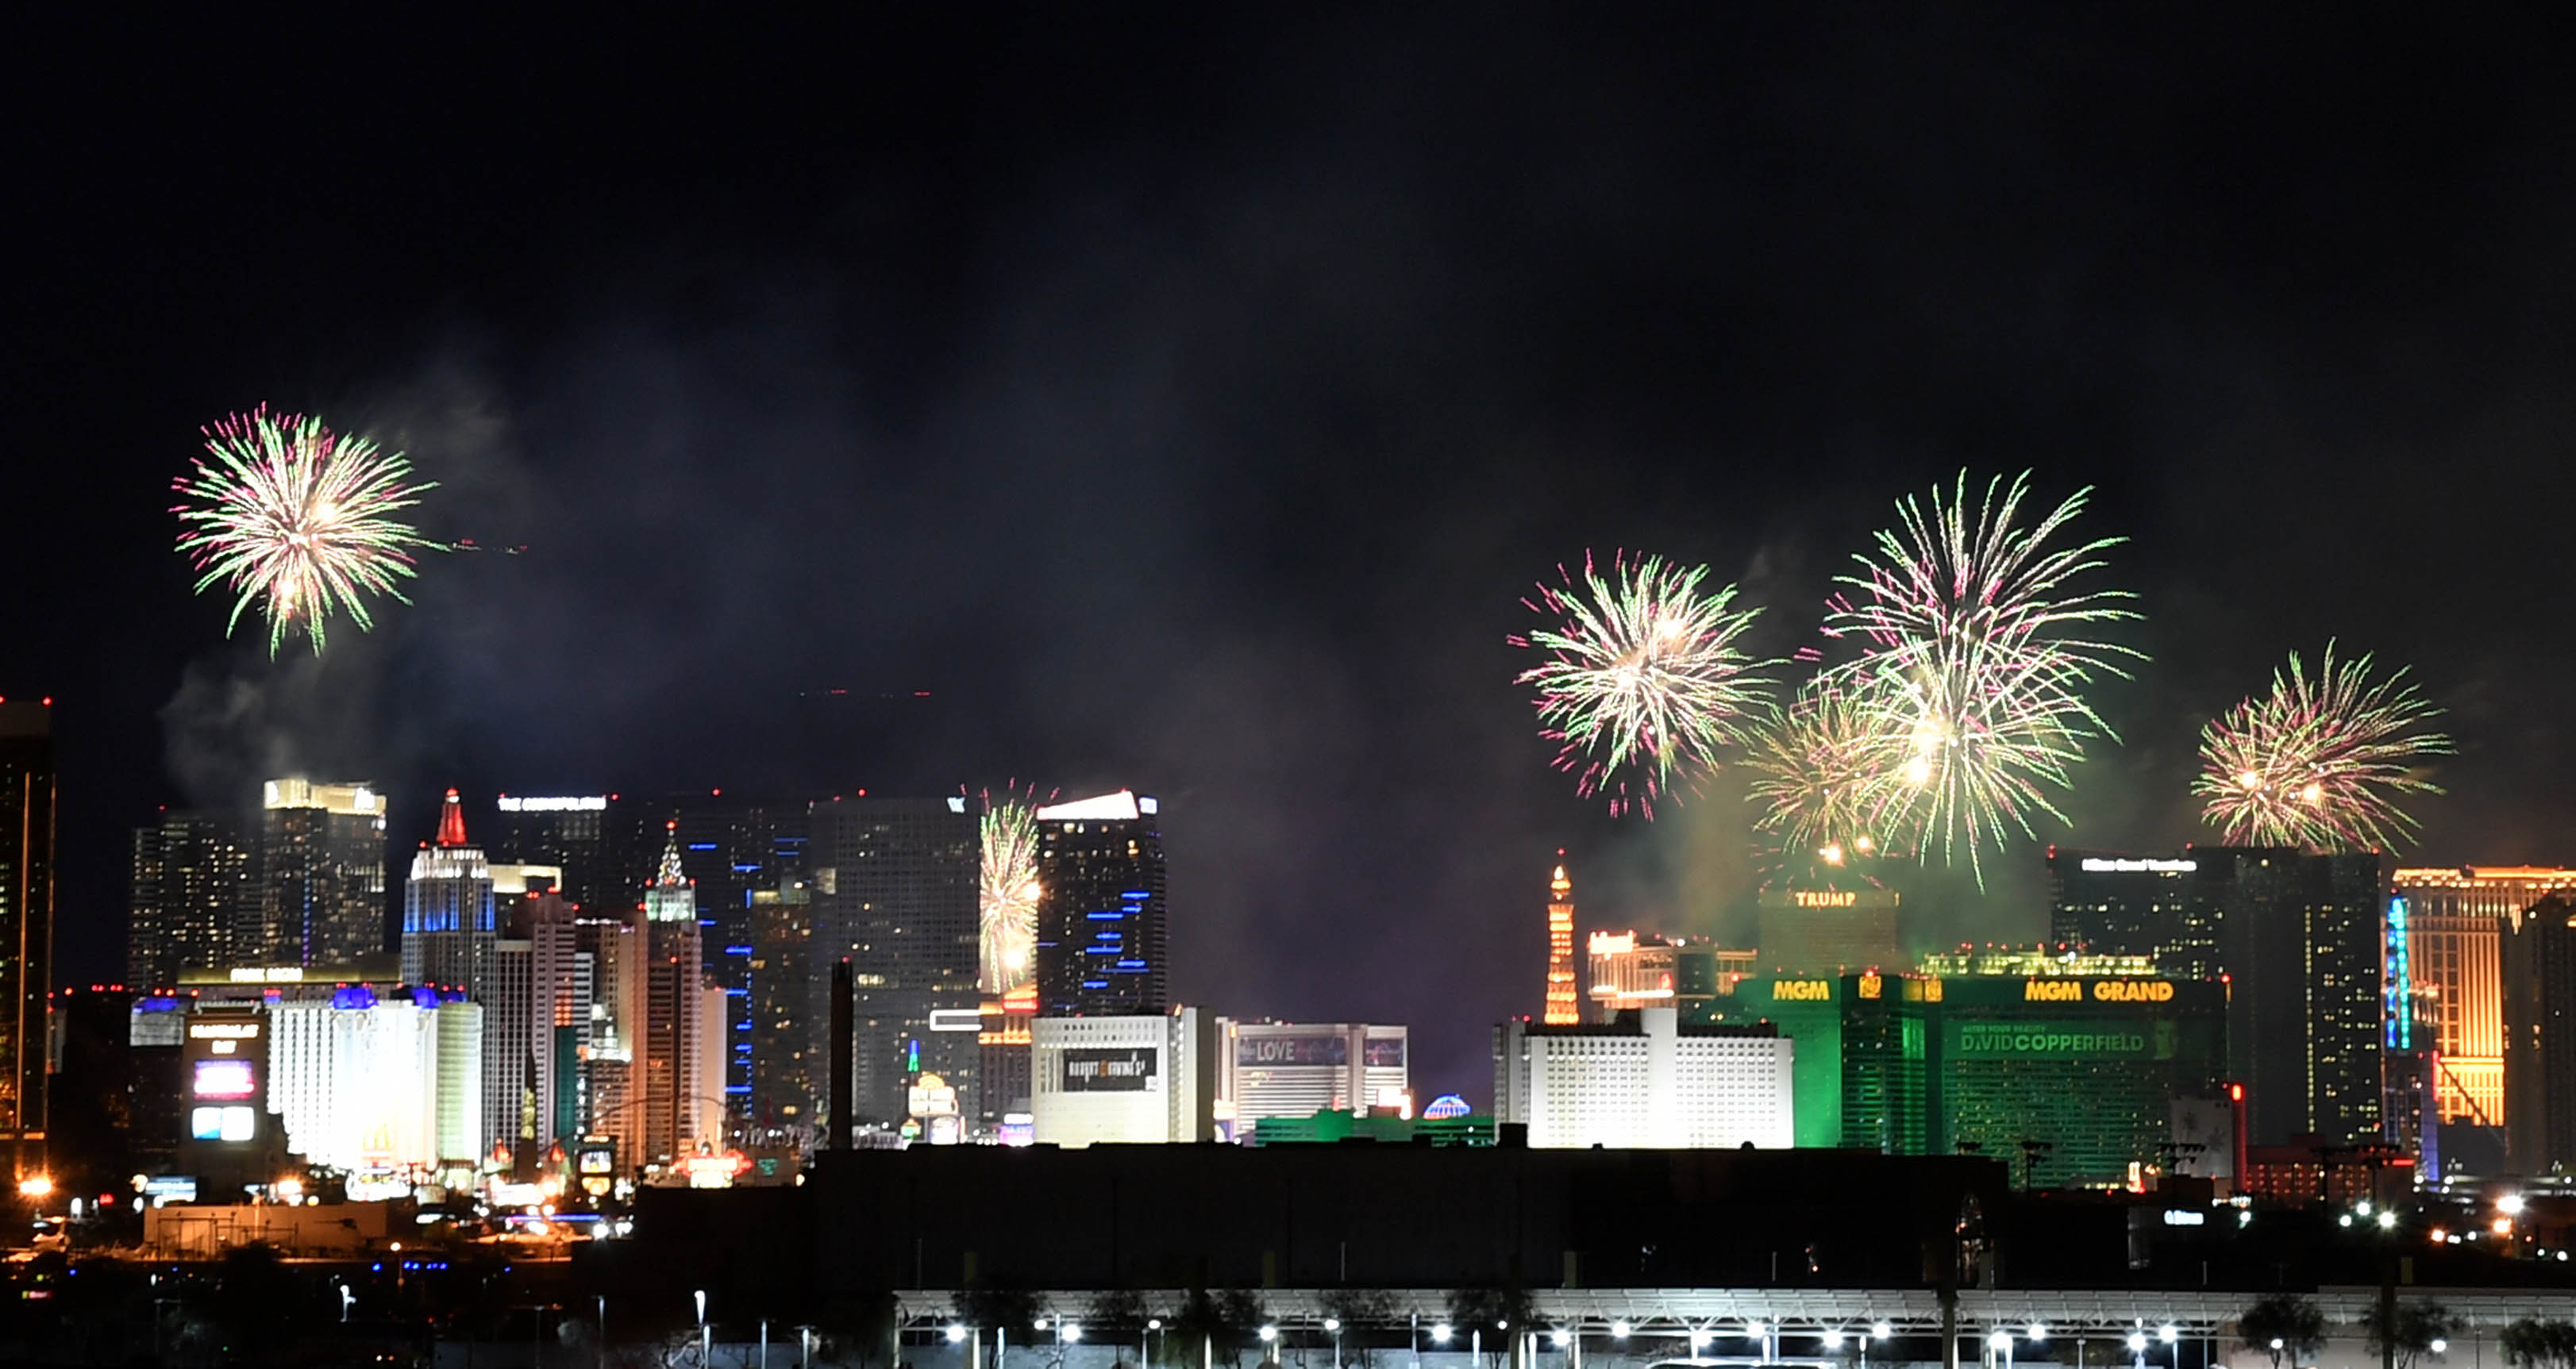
<point x="1644" y="1081"/>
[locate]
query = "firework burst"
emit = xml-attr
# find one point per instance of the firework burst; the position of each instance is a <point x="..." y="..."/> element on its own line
<point x="297" y="519"/>
<point x="1811" y="773"/>
<point x="1976" y="648"/>
<point x="2321" y="761"/>
<point x="1644" y="681"/>
<point x="1008" y="891"/>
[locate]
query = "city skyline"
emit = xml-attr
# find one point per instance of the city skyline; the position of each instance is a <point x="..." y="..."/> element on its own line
<point x="1214" y="466"/>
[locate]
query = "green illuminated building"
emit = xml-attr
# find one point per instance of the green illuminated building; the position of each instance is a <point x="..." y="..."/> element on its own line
<point x="1810" y="1013"/>
<point x="1334" y="1125"/>
<point x="2084" y="1067"/>
<point x="2070" y="1078"/>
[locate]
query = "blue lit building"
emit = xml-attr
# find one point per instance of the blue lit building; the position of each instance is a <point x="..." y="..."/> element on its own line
<point x="1103" y="927"/>
<point x="731" y="848"/>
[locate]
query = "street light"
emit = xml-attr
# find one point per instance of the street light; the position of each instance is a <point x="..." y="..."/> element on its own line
<point x="1145" y="1346"/>
<point x="2387" y="1220"/>
<point x="956" y="1332"/>
<point x="2038" y="1332"/>
<point x="1270" y="1337"/>
<point x="705" y="1347"/>
<point x="2001" y="1342"/>
<point x="1618" y="1330"/>
<point x="1334" y="1325"/>
<point x="1439" y="1333"/>
<point x="2440" y="1344"/>
<point x="1560" y="1337"/>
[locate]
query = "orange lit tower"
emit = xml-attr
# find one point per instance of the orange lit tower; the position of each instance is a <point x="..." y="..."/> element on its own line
<point x="1564" y="999"/>
<point x="2460" y="919"/>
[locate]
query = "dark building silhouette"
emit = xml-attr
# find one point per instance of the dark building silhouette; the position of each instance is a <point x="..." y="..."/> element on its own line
<point x="2540" y="1036"/>
<point x="572" y="833"/>
<point x="894" y="892"/>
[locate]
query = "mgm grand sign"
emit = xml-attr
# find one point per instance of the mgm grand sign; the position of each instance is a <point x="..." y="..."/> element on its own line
<point x="2050" y="990"/>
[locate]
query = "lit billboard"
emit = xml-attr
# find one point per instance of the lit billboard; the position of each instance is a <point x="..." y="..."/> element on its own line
<point x="1317" y="1048"/>
<point x="1110" y="1069"/>
<point x="2061" y="1040"/>
<point x="224" y="1078"/>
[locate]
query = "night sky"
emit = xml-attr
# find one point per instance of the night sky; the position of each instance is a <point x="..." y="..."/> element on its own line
<point x="1185" y="399"/>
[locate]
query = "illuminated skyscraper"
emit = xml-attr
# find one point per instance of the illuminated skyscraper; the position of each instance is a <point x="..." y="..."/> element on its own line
<point x="895" y="893"/>
<point x="1826" y="919"/>
<point x="321" y="876"/>
<point x="192" y="878"/>
<point x="2458" y="919"/>
<point x="1564" y="998"/>
<point x="560" y="976"/>
<point x="26" y="926"/>
<point x="670" y="1082"/>
<point x="1102" y="923"/>
<point x="2302" y="940"/>
<point x="2304" y="945"/>
<point x="448" y="925"/>
<point x="732" y="847"/>
<point x="451" y="938"/>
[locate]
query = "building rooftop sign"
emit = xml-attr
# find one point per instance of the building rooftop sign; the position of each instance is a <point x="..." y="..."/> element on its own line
<point x="1122" y="806"/>
<point x="588" y="803"/>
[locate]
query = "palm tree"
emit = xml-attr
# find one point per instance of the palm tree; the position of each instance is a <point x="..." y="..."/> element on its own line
<point x="2283" y="1323"/>
<point x="2537" y="1343"/>
<point x="2420" y="1328"/>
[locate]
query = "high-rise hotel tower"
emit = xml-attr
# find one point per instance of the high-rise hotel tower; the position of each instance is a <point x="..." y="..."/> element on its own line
<point x="26" y="926"/>
<point x="1102" y="923"/>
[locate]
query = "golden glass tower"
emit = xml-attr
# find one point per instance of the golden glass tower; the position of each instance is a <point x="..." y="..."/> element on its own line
<point x="2458" y="919"/>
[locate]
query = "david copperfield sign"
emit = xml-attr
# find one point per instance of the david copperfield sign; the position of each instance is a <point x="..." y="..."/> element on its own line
<point x="1109" y="1069"/>
<point x="2061" y="1041"/>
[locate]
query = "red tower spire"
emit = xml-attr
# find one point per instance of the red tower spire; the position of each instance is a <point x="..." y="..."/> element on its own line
<point x="451" y="822"/>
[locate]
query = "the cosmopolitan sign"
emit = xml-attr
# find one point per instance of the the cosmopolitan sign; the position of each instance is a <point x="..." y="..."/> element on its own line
<point x="592" y="803"/>
<point x="2097" y="865"/>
